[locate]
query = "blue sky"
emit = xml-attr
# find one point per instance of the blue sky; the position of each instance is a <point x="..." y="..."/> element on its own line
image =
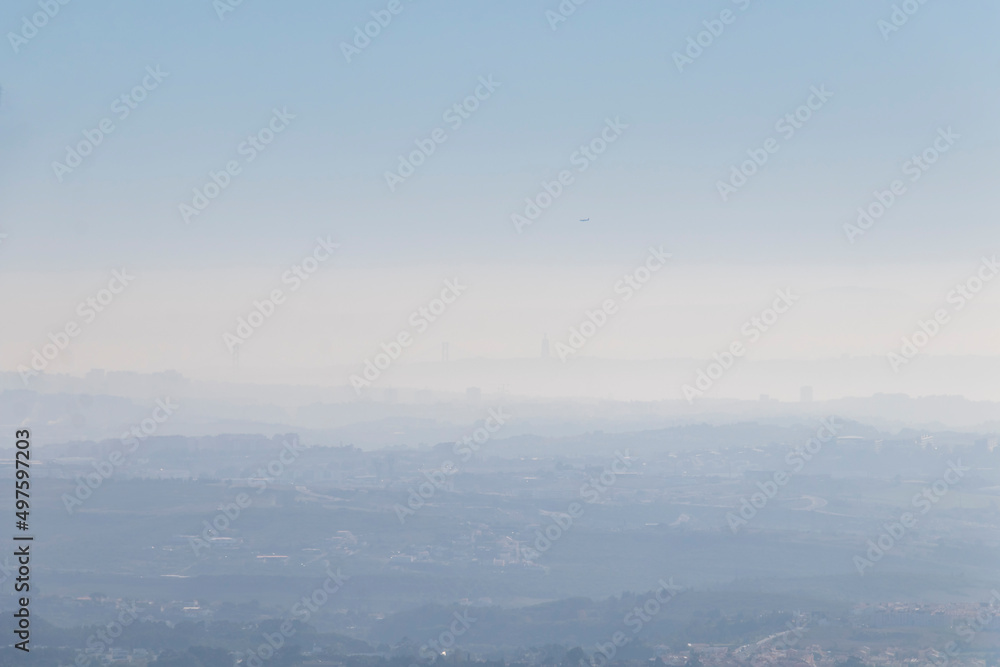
<point x="607" y="60"/>
<point x="656" y="184"/>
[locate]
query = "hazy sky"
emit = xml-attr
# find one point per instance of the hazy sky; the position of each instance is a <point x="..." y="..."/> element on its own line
<point x="324" y="174"/>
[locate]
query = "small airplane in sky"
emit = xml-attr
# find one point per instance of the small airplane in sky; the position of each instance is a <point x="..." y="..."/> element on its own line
<point x="584" y="219"/>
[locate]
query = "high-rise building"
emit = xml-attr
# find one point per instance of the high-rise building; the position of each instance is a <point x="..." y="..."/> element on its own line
<point x="806" y="394"/>
<point x="545" y="346"/>
<point x="445" y="352"/>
